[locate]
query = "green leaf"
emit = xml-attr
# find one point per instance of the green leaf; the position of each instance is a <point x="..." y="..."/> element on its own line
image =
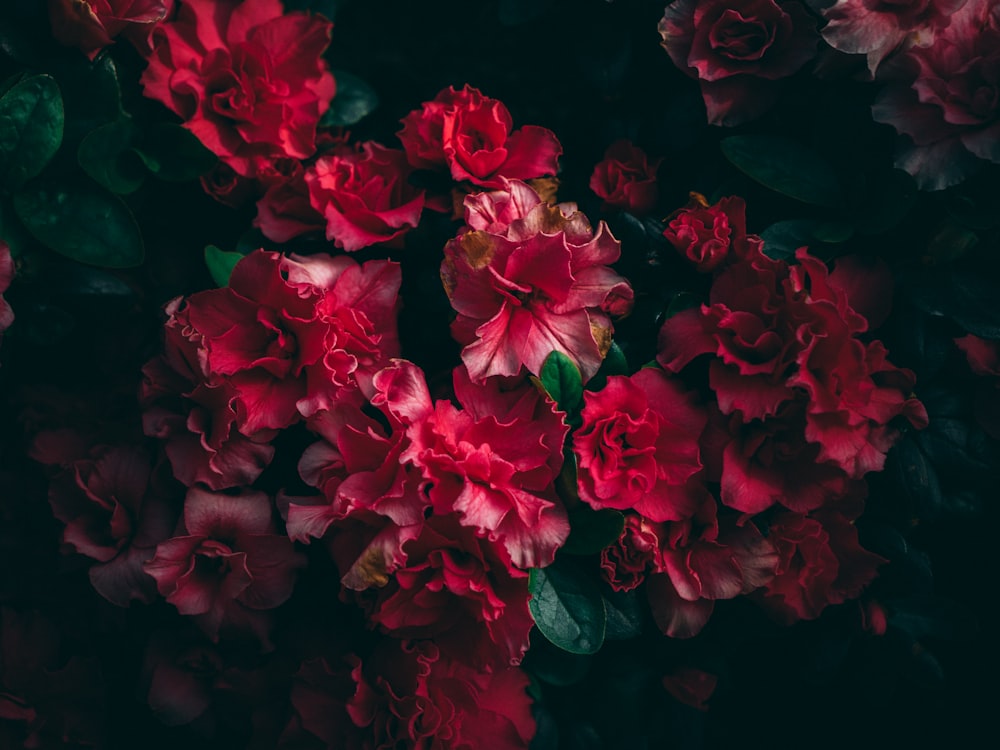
<point x="567" y="608"/>
<point x="105" y="155"/>
<point x="624" y="613"/>
<point x="681" y="301"/>
<point x="614" y="364"/>
<point x="354" y="100"/>
<point x="221" y="264"/>
<point x="561" y="379"/>
<point x="31" y="129"/>
<point x="786" y="167"/>
<point x="590" y="530"/>
<point x="83" y="223"/>
<point x="174" y="154"/>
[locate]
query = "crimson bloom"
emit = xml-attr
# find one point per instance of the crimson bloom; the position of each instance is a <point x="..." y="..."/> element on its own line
<point x="471" y="135"/>
<point x="228" y="561"/>
<point x="92" y="25"/>
<point x="738" y="53"/>
<point x="526" y="279"/>
<point x="710" y="235"/>
<point x="626" y="179"/>
<point x="6" y="276"/>
<point x="248" y="79"/>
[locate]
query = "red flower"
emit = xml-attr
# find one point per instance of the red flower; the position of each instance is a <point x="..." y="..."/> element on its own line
<point x="946" y="99"/>
<point x="228" y="561"/>
<point x="92" y="25"/>
<point x="787" y="347"/>
<point x="459" y="589"/>
<point x="698" y="563"/>
<point x="984" y="359"/>
<point x="364" y="195"/>
<point x="526" y="279"/>
<point x="284" y="212"/>
<point x="624" y="565"/>
<point x="638" y="447"/>
<point x="248" y="79"/>
<point x="6" y="276"/>
<point x="116" y="513"/>
<point x="287" y="338"/>
<point x="709" y="235"/>
<point x="408" y="695"/>
<point x="626" y="179"/>
<point x="819" y="563"/>
<point x="471" y="135"/>
<point x="494" y="463"/>
<point x="738" y="54"/>
<point x="877" y="29"/>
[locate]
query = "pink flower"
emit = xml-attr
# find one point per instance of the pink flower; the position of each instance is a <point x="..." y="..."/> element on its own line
<point x="820" y="563"/>
<point x="877" y="28"/>
<point x="228" y="561"/>
<point x="638" y="447"/>
<point x="364" y="195"/>
<point x="624" y="565"/>
<point x="407" y="695"/>
<point x="626" y="179"/>
<point x="945" y="99"/>
<point x="247" y="79"/>
<point x="738" y="53"/>
<point x="93" y="25"/>
<point x="710" y="235"/>
<point x="115" y="512"/>
<point x="471" y="135"/>
<point x="526" y="279"/>
<point x="494" y="463"/>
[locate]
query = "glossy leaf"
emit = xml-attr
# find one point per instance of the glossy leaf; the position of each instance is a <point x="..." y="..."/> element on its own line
<point x="221" y="264"/>
<point x="354" y="101"/>
<point x="785" y="166"/>
<point x="561" y="379"/>
<point x="83" y="223"/>
<point x="31" y="129"/>
<point x="106" y="157"/>
<point x="567" y="608"/>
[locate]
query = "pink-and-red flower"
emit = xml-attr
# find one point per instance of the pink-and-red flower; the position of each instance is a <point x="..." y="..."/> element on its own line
<point x="248" y="79"/>
<point x="472" y="136"/>
<point x="626" y="178"/>
<point x="738" y="53"/>
<point x="527" y="278"/>
<point x="92" y="25"/>
<point x="710" y="235"/>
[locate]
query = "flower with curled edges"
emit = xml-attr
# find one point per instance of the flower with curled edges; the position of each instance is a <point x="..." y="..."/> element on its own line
<point x="945" y="99"/>
<point x="625" y="178"/>
<point x="638" y="447"/>
<point x="710" y="235"/>
<point x="526" y="279"/>
<point x="470" y="135"/>
<point x="364" y="195"/>
<point x="407" y="694"/>
<point x="820" y="563"/>
<point x="248" y="79"/>
<point x="877" y="28"/>
<point x="788" y="360"/>
<point x="117" y="507"/>
<point x="92" y="25"/>
<point x="228" y="563"/>
<point x="288" y="337"/>
<point x="688" y="565"/>
<point x="738" y="54"/>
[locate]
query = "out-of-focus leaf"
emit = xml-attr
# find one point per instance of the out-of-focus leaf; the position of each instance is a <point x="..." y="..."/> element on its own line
<point x="105" y="155"/>
<point x="174" y="154"/>
<point x="31" y="129"/>
<point x="785" y="166"/>
<point x="83" y="223"/>
<point x="624" y="612"/>
<point x="354" y="101"/>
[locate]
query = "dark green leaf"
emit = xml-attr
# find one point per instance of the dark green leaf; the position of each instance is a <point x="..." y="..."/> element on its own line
<point x="91" y="95"/>
<point x="355" y="100"/>
<point x="83" y="223"/>
<point x="590" y="531"/>
<point x="327" y="8"/>
<point x="681" y="301"/>
<point x="624" y="613"/>
<point x="567" y="608"/>
<point x="105" y="155"/>
<point x="174" y="154"/>
<point x="42" y="324"/>
<point x="886" y="199"/>
<point x="561" y="379"/>
<point x="783" y="238"/>
<point x="221" y="263"/>
<point x="614" y="364"/>
<point x="12" y="231"/>
<point x="786" y="167"/>
<point x="31" y="129"/>
<point x="923" y="616"/>
<point x="553" y="665"/>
